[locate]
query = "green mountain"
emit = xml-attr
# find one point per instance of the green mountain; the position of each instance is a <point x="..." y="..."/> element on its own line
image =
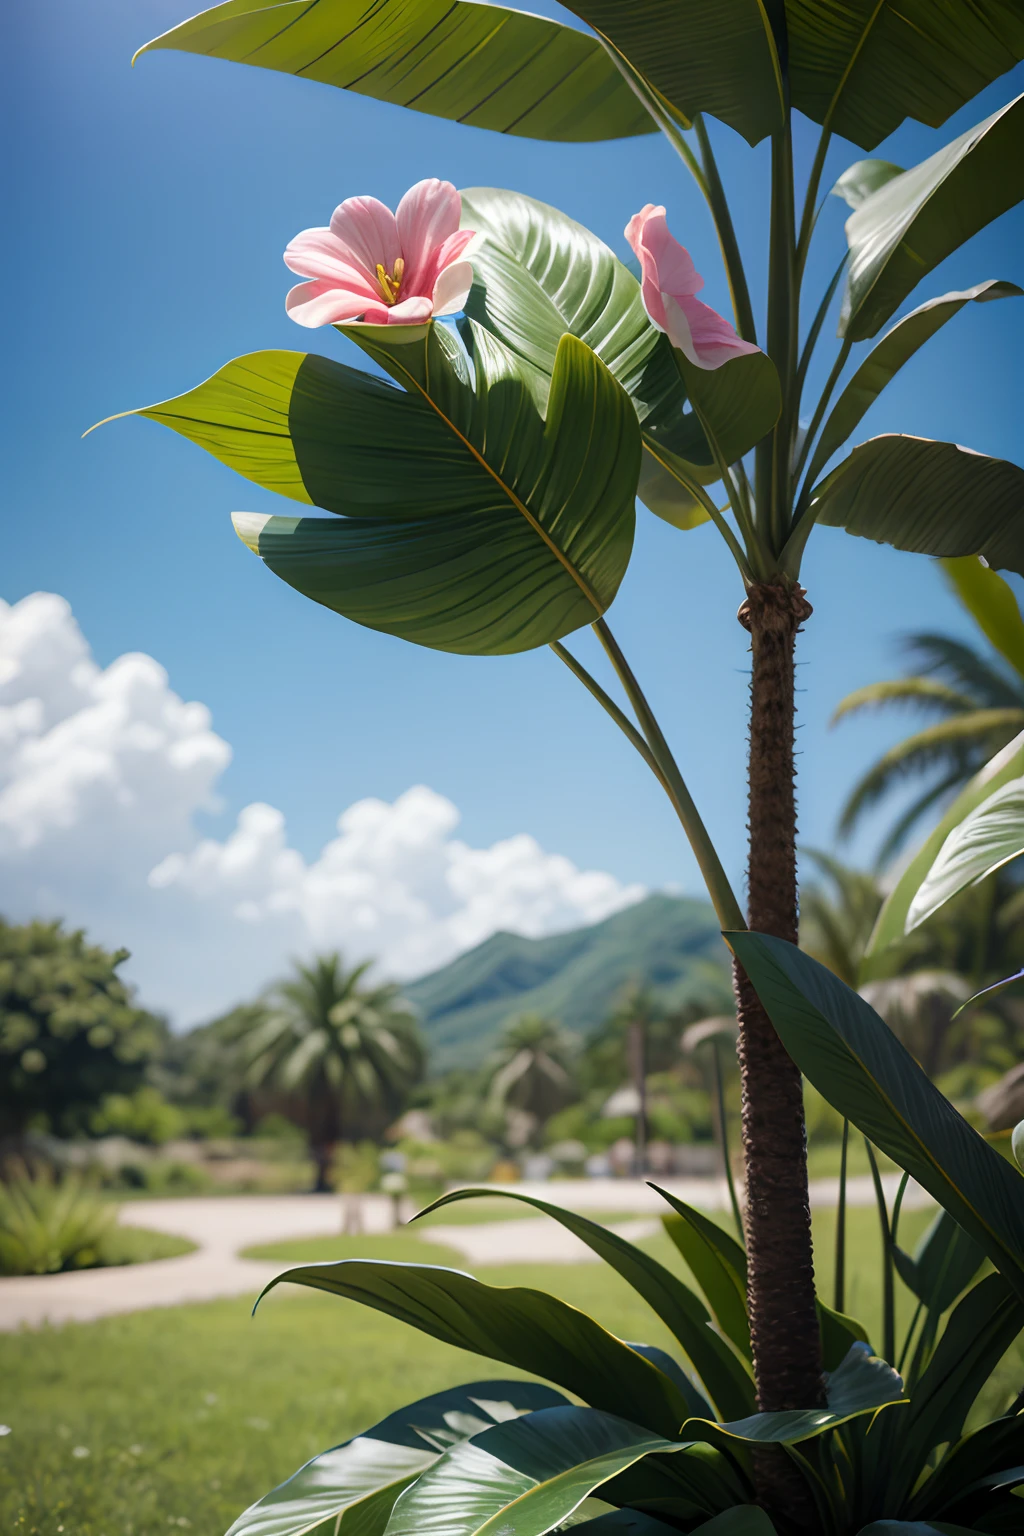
<point x="671" y="943"/>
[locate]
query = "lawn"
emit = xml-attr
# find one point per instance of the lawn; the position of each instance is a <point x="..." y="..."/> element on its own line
<point x="177" y="1419"/>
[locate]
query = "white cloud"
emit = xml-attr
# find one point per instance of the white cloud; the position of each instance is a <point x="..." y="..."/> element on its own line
<point x="102" y="774"/>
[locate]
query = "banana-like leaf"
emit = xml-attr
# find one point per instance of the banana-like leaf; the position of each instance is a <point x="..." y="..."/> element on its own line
<point x="855" y="1061"/>
<point x="664" y="494"/>
<point x="916" y="220"/>
<point x="886" y="359"/>
<point x="839" y="1333"/>
<point x="472" y="523"/>
<point x="928" y="497"/>
<point x="859" y="180"/>
<point x="991" y="603"/>
<point x="539" y="274"/>
<point x="714" y="56"/>
<point x="997" y="1444"/>
<point x="862" y="1384"/>
<point x="891" y="923"/>
<point x="718" y="1265"/>
<point x="521" y="1327"/>
<point x="522" y="1478"/>
<point x="989" y="837"/>
<point x="356" y="1484"/>
<point x="945" y="1262"/>
<point x="981" y="1328"/>
<point x="485" y="65"/>
<point x="683" y="1313"/>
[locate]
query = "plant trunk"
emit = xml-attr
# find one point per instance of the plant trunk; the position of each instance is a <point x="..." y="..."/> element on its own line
<point x="783" y="1319"/>
<point x="322" y="1155"/>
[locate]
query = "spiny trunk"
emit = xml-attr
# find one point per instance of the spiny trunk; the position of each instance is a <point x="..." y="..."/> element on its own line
<point x="783" y="1320"/>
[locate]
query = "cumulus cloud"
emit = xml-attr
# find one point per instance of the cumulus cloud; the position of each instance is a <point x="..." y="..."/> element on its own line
<point x="102" y="775"/>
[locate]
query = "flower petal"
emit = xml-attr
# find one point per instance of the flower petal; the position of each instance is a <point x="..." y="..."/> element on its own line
<point x="319" y="254"/>
<point x="427" y="215"/>
<point x="710" y="340"/>
<point x="452" y="288"/>
<point x="368" y="234"/>
<point x="677" y="274"/>
<point x="324" y="303"/>
<point x="411" y="311"/>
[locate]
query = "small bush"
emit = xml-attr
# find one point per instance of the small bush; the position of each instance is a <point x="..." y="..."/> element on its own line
<point x="48" y="1225"/>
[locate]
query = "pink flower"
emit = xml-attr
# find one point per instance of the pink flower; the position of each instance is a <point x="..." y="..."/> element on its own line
<point x="383" y="268"/>
<point x="670" y="283"/>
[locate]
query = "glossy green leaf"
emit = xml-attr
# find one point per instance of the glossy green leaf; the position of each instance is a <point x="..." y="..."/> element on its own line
<point x="713" y="56"/>
<point x="859" y="180"/>
<point x="992" y="605"/>
<point x="886" y="359"/>
<point x="928" y="497"/>
<point x="357" y="1483"/>
<point x="862" y="1384"/>
<point x="522" y="1327"/>
<point x="856" y="1062"/>
<point x="523" y="1478"/>
<point x="981" y="1328"/>
<point x="473" y="524"/>
<point x="737" y="404"/>
<point x="916" y="220"/>
<point x="485" y="65"/>
<point x="723" y="1376"/>
<point x="718" y="1265"/>
<point x="839" y="1333"/>
<point x="890" y="925"/>
<point x="989" y="837"/>
<point x="664" y="494"/>
<point x="945" y="1262"/>
<point x="997" y="1444"/>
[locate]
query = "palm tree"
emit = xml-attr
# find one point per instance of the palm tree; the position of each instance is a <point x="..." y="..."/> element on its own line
<point x="532" y="1069"/>
<point x="342" y="1046"/>
<point x="975" y="699"/>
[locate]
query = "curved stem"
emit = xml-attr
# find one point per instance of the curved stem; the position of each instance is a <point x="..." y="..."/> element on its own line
<point x="708" y="503"/>
<point x="816" y="325"/>
<point x="608" y="704"/>
<point x="724" y="1133"/>
<point x="719" y="206"/>
<point x="839" y="1293"/>
<point x="819" y="411"/>
<point x="888" y="1269"/>
<point x="722" y="896"/>
<point x="810" y="213"/>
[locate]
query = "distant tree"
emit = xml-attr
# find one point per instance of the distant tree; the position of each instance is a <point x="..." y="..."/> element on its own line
<point x="336" y="1045"/>
<point x="70" y="1031"/>
<point x="533" y="1069"/>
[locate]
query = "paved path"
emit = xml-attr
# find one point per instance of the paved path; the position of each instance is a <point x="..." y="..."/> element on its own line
<point x="223" y="1225"/>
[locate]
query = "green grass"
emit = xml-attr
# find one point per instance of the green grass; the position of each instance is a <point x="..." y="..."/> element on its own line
<point x="186" y="1415"/>
<point x="137" y="1245"/>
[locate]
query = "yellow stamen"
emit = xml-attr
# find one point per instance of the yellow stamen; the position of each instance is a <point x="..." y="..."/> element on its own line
<point x="390" y="286"/>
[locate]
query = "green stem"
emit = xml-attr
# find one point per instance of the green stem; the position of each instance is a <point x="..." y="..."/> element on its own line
<point x="623" y="722"/>
<point x="812" y="432"/>
<point x="910" y="1334"/>
<point x="773" y="457"/>
<point x="815" y="330"/>
<point x="707" y="501"/>
<point x="839" y="1294"/>
<point x="722" y="896"/>
<point x="724" y="1133"/>
<point x="719" y="205"/>
<point x="888" y="1268"/>
<point x="810" y="213"/>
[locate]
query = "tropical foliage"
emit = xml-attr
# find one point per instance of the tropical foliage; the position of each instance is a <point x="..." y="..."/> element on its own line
<point x="336" y="1043"/>
<point x="976" y="698"/>
<point x="532" y="1070"/>
<point x="483" y="502"/>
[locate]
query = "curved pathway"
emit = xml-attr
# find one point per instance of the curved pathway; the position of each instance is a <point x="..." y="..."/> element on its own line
<point x="221" y="1226"/>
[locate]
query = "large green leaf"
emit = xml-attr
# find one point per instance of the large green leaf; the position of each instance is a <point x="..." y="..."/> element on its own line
<point x="859" y="180"/>
<point x="861" y="1384"/>
<point x="522" y="1478"/>
<point x="726" y="1382"/>
<point x="480" y="64"/>
<point x="945" y="1261"/>
<point x="718" y="1265"/>
<point x="992" y="605"/>
<point x="928" y="497"/>
<point x="856" y="1062"/>
<point x="913" y="222"/>
<point x="994" y="1446"/>
<point x="356" y="1484"/>
<point x="538" y="274"/>
<point x="886" y="359"/>
<point x="714" y="56"/>
<point x="989" y="837"/>
<point x="519" y="1326"/>
<point x="472" y="523"/>
<point x="623" y="1522"/>
<point x="891" y="923"/>
<point x="863" y="66"/>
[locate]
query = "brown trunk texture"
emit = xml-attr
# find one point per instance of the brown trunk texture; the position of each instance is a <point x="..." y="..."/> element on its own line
<point x="783" y="1319"/>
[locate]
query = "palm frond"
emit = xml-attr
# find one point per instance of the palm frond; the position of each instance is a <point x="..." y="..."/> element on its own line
<point x="922" y="693"/>
<point x="988" y="680"/>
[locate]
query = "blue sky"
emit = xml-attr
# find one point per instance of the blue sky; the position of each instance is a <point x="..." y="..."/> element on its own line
<point x="147" y="210"/>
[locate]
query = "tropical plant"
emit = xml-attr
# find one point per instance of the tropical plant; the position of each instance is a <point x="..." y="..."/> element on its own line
<point x="335" y="1044"/>
<point x="70" y="1031"/>
<point x="486" y="505"/>
<point x="533" y="1070"/>
<point x="977" y="699"/>
<point x="48" y="1224"/>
